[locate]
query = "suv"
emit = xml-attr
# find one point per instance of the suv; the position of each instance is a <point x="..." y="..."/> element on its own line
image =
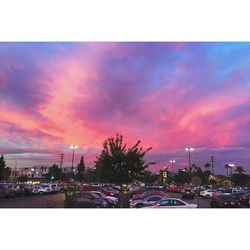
<point x="89" y="200"/>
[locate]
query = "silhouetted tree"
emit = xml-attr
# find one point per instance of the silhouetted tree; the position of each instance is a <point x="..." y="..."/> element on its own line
<point x="239" y="170"/>
<point x="117" y="164"/>
<point x="80" y="170"/>
<point x="183" y="176"/>
<point x="207" y="167"/>
<point x="2" y="167"/>
<point x="54" y="171"/>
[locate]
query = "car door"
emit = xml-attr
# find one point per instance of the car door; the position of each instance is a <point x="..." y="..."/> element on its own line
<point x="178" y="204"/>
<point x="152" y="200"/>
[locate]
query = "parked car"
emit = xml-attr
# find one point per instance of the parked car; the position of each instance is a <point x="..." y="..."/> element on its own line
<point x="55" y="188"/>
<point x="244" y="199"/>
<point x="207" y="193"/>
<point x="173" y="203"/>
<point x="26" y="190"/>
<point x="173" y="189"/>
<point x="112" y="201"/>
<point x="188" y="193"/>
<point x="89" y="200"/>
<point x="147" y="194"/>
<point x="146" y="202"/>
<point x="6" y="190"/>
<point x="43" y="189"/>
<point x="225" y="201"/>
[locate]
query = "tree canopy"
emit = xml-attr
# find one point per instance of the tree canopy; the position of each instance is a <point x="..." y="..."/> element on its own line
<point x="80" y="170"/>
<point x="4" y="170"/>
<point x="119" y="164"/>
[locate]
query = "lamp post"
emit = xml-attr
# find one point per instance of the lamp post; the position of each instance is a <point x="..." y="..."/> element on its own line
<point x="172" y="163"/>
<point x="32" y="175"/>
<point x="231" y="168"/>
<point x="189" y="149"/>
<point x="73" y="147"/>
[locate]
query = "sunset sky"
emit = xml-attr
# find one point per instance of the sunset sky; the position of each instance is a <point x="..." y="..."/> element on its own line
<point x="168" y="95"/>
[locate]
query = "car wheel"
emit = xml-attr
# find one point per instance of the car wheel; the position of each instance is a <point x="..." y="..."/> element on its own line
<point x="98" y="206"/>
<point x="207" y="196"/>
<point x="41" y="193"/>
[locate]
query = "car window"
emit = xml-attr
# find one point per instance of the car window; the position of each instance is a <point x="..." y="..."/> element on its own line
<point x="166" y="203"/>
<point x="178" y="203"/>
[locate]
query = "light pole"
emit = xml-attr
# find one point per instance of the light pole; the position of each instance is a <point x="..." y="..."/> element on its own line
<point x="189" y="149"/>
<point x="32" y="175"/>
<point x="73" y="154"/>
<point x="172" y="163"/>
<point x="231" y="168"/>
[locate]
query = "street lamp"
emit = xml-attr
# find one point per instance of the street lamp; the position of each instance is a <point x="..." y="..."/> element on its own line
<point x="189" y="155"/>
<point x="172" y="163"/>
<point x="32" y="175"/>
<point x="73" y="147"/>
<point x="231" y="167"/>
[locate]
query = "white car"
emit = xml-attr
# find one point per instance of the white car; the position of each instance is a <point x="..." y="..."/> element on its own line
<point x="207" y="193"/>
<point x="149" y="201"/>
<point x="42" y="189"/>
<point x="173" y="203"/>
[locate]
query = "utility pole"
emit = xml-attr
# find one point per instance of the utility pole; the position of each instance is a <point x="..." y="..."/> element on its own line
<point x="61" y="164"/>
<point x="61" y="160"/>
<point x="212" y="160"/>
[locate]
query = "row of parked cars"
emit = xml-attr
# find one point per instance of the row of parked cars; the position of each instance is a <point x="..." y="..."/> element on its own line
<point x="157" y="199"/>
<point x="219" y="197"/>
<point x="96" y="196"/>
<point x="8" y="190"/>
<point x="227" y="197"/>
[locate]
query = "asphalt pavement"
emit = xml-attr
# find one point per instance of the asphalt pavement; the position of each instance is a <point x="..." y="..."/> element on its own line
<point x="36" y="201"/>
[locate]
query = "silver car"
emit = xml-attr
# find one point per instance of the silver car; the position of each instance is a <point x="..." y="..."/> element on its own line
<point x="149" y="201"/>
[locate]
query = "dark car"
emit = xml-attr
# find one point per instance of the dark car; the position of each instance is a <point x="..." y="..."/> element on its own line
<point x="225" y="201"/>
<point x="244" y="199"/>
<point x="25" y="190"/>
<point x="89" y="200"/>
<point x="187" y="193"/>
<point x="5" y="191"/>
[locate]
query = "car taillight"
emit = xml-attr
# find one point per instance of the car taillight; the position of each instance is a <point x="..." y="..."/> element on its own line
<point x="226" y="203"/>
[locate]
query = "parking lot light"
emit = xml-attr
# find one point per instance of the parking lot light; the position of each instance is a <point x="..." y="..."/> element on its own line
<point x="73" y="147"/>
<point x="189" y="149"/>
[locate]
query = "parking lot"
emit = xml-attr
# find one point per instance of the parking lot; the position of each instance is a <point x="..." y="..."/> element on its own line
<point x="110" y="196"/>
<point x="57" y="201"/>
